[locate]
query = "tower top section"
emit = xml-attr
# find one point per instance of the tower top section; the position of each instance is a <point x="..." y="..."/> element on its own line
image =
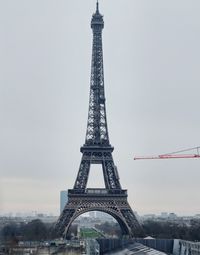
<point x="97" y="19"/>
<point x="97" y="131"/>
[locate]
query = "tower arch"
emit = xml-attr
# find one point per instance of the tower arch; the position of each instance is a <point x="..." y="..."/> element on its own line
<point x="119" y="219"/>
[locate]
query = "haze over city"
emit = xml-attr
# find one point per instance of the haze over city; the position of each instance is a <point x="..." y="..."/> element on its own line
<point x="151" y="65"/>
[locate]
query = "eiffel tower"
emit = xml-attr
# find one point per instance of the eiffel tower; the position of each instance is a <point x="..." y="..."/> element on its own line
<point x="98" y="150"/>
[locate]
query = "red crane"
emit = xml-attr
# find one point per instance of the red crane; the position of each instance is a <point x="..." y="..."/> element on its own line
<point x="174" y="155"/>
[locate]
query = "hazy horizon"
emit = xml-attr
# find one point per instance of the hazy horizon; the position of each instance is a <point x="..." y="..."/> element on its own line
<point x="49" y="214"/>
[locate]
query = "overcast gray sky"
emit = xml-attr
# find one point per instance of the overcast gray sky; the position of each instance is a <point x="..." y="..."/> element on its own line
<point x="152" y="77"/>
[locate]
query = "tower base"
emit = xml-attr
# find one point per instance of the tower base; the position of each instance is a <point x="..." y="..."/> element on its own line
<point x="113" y="202"/>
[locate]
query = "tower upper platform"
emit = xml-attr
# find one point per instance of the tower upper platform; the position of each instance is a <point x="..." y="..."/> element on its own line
<point x="97" y="19"/>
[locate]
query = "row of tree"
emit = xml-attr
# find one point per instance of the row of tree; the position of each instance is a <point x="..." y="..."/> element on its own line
<point x="170" y="230"/>
<point x="36" y="230"/>
<point x="109" y="229"/>
<point x="160" y="229"/>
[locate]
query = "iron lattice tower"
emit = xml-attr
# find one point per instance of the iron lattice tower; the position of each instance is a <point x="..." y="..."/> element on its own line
<point x="97" y="150"/>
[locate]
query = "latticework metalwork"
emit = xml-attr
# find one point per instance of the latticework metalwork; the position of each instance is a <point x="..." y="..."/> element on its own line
<point x="97" y="150"/>
<point x="97" y="131"/>
<point x="114" y="204"/>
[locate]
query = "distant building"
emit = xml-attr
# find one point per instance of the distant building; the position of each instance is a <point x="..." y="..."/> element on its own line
<point x="149" y="216"/>
<point x="40" y="215"/>
<point x="164" y="215"/>
<point x="63" y="199"/>
<point x="92" y="214"/>
<point x="172" y="216"/>
<point x="104" y="216"/>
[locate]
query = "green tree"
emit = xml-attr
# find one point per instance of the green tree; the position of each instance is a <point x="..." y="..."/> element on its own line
<point x="35" y="230"/>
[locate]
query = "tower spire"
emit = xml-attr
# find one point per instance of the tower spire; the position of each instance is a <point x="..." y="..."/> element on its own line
<point x="97" y="9"/>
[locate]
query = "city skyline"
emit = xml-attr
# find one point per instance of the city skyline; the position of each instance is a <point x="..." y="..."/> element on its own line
<point x="151" y="61"/>
<point x="35" y="214"/>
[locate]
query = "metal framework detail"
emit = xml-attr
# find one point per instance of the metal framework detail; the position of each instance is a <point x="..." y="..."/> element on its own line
<point x="116" y="206"/>
<point x="97" y="150"/>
